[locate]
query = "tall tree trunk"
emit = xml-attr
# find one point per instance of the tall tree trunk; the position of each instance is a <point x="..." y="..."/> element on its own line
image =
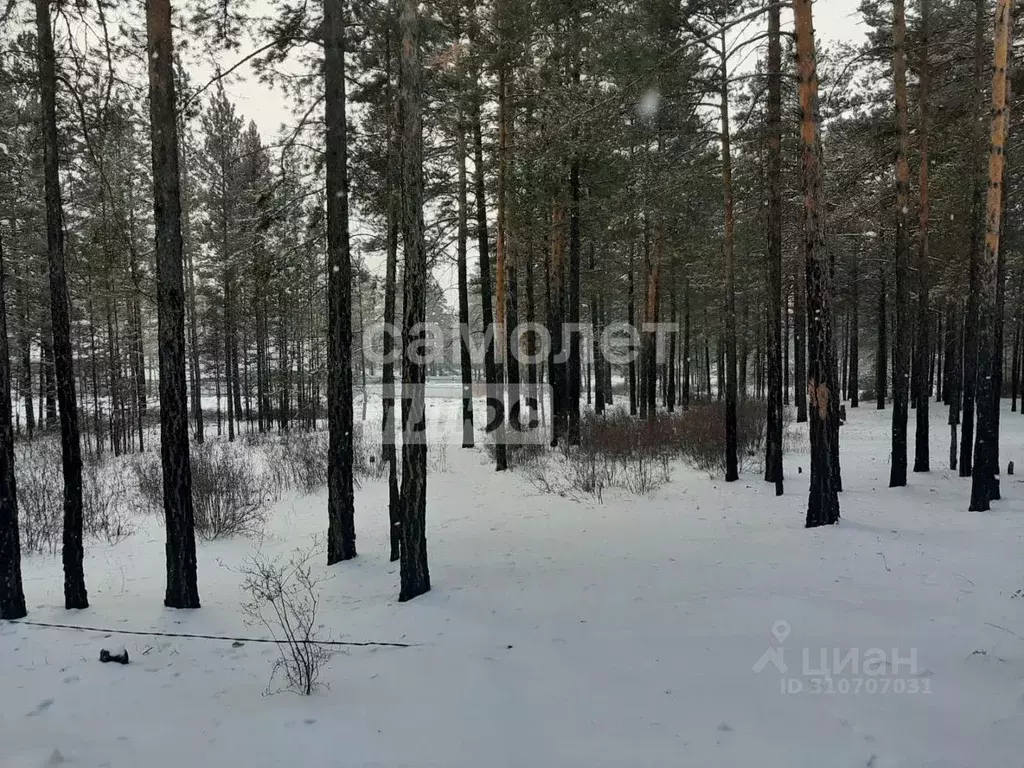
<point x="901" y="331"/>
<point x="773" y="435"/>
<point x="575" y="22"/>
<point x="800" y="345"/>
<point x="670" y="374"/>
<point x="12" y="595"/>
<point x="228" y="367"/>
<point x="971" y="343"/>
<point x="596" y="331"/>
<point x="686" y="348"/>
<point x="1015" y="366"/>
<point x="502" y="352"/>
<point x="731" y="432"/>
<point x="921" y="457"/>
<point x="823" y="500"/>
<point x="196" y="372"/>
<point x="415" y="575"/>
<point x="631" y="321"/>
<point x="48" y="380"/>
<point x="882" y="350"/>
<point x="75" y="595"/>
<point x="341" y="529"/>
<point x="983" y="474"/>
<point x="785" y="348"/>
<point x="182" y="589"/>
<point x="495" y="400"/>
<point x="465" y="361"/>
<point x="557" y="358"/>
<point x="388" y="432"/>
<point x="25" y="348"/>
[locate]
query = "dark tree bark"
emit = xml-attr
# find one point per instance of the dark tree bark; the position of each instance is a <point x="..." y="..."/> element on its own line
<point x="341" y="530"/>
<point x="75" y="595"/>
<point x="983" y="488"/>
<point x="854" y="383"/>
<point x="182" y="588"/>
<point x="972" y="320"/>
<point x="921" y="457"/>
<point x="465" y="360"/>
<point x="731" y="433"/>
<point x="685" y="396"/>
<point x="575" y="244"/>
<point x="823" y="499"/>
<point x="12" y="596"/>
<point x="193" y="317"/>
<point x="573" y="297"/>
<point x="773" y="435"/>
<point x="631" y="321"/>
<point x="495" y="401"/>
<point x="596" y="330"/>
<point x="882" y="350"/>
<point x="670" y="378"/>
<point x="1015" y="367"/>
<point x="557" y="358"/>
<point x="388" y="434"/>
<point x="228" y="367"/>
<point x="785" y="349"/>
<point x="901" y="331"/>
<point x="800" y="345"/>
<point x="415" y="574"/>
<point x="47" y="378"/>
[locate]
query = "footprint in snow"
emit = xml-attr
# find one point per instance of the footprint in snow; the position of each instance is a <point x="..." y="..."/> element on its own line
<point x="41" y="707"/>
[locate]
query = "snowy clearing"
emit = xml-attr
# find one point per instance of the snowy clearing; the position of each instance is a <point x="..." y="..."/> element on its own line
<point x="568" y="634"/>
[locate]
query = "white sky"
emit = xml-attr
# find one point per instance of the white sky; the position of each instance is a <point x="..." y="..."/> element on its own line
<point x="834" y="20"/>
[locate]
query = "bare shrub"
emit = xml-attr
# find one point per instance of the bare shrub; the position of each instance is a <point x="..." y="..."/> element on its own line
<point x="519" y="455"/>
<point x="230" y="495"/>
<point x="366" y="452"/>
<point x="40" y="495"/>
<point x="283" y="597"/>
<point x="299" y="460"/>
<point x="702" y="435"/>
<point x="437" y="455"/>
<point x="620" y="451"/>
<point x="106" y="501"/>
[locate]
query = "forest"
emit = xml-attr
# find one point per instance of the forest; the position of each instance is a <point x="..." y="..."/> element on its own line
<point x="619" y="253"/>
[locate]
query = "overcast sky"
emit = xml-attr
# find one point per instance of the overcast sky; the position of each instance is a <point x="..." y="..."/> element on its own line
<point x="834" y="20"/>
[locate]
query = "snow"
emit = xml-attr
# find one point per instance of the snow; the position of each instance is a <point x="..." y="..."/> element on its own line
<point x="565" y="634"/>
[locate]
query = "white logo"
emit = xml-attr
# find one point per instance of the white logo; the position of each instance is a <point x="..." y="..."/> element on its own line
<point x="776" y="655"/>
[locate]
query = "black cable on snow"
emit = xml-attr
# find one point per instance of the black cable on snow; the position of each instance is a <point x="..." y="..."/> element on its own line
<point x="268" y="641"/>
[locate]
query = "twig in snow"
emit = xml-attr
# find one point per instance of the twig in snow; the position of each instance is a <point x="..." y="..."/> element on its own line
<point x="1009" y="631"/>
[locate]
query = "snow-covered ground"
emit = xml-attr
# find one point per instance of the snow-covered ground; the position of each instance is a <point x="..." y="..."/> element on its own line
<point x="561" y="634"/>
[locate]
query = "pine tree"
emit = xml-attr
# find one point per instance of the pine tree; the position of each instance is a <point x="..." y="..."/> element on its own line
<point x="988" y="385"/>
<point x="923" y="348"/>
<point x="773" y="441"/>
<point x="823" y="500"/>
<point x="12" y="596"/>
<point x="341" y="533"/>
<point x="901" y="360"/>
<point x="415" y="574"/>
<point x="75" y="595"/>
<point x="182" y="587"/>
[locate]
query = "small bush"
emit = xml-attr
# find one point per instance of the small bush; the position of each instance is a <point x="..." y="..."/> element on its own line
<point x="299" y="460"/>
<point x="230" y="495"/>
<point x="621" y="451"/>
<point x="284" y="598"/>
<point x="40" y="488"/>
<point x="40" y="485"/>
<point x="701" y="435"/>
<point x="519" y="455"/>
